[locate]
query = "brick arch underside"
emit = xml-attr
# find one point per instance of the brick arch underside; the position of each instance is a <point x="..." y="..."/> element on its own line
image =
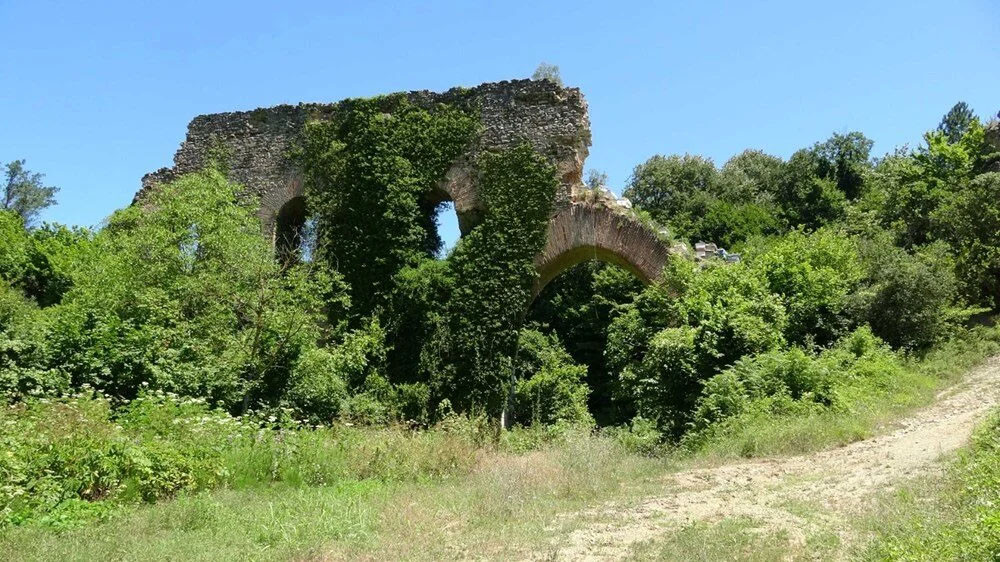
<point x="585" y="231"/>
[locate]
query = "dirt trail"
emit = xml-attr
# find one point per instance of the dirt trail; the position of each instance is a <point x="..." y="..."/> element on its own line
<point x="840" y="480"/>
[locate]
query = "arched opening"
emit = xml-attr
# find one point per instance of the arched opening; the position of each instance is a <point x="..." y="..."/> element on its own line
<point x="578" y="305"/>
<point x="447" y="227"/>
<point x="292" y="232"/>
<point x="585" y="231"/>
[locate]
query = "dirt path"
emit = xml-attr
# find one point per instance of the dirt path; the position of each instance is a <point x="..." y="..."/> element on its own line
<point x="840" y="480"/>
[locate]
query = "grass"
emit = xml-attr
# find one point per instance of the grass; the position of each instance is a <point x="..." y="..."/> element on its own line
<point x="506" y="504"/>
<point x="352" y="493"/>
<point x="868" y="407"/>
<point x="952" y="516"/>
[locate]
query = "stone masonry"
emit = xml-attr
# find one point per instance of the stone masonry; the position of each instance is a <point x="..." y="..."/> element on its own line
<point x="554" y="120"/>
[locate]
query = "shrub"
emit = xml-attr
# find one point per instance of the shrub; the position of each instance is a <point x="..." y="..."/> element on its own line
<point x="316" y="387"/>
<point x="663" y="384"/>
<point x="793" y="381"/>
<point x="550" y="387"/>
<point x="910" y="299"/>
<point x="63" y="451"/>
<point x="814" y="274"/>
<point x="730" y="225"/>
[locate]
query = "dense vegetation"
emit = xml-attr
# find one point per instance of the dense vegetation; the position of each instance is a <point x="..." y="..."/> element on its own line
<point x="156" y="354"/>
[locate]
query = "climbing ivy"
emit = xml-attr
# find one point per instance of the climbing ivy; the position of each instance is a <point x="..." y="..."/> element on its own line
<point x="369" y="171"/>
<point x="370" y="174"/>
<point x="493" y="268"/>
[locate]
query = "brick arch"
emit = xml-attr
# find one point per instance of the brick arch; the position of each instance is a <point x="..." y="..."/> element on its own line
<point x="582" y="231"/>
<point x="273" y="202"/>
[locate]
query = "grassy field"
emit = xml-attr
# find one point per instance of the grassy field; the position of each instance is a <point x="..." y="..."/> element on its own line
<point x="439" y="494"/>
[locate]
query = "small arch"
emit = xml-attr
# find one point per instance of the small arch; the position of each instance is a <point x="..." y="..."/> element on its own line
<point x="290" y="233"/>
<point x="584" y="231"/>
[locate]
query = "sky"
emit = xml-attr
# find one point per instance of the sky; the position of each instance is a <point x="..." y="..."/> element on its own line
<point x="96" y="94"/>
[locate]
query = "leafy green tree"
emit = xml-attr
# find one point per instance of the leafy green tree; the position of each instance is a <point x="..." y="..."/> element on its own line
<point x="730" y="225"/>
<point x="750" y="177"/>
<point x="910" y="188"/>
<point x="550" y="387"/>
<point x="184" y="295"/>
<point x="25" y="192"/>
<point x="814" y="275"/>
<point x="546" y="71"/>
<point x="686" y="329"/>
<point x="970" y="221"/>
<point x="910" y="299"/>
<point x="957" y="121"/>
<point x="674" y="190"/>
<point x="845" y="159"/>
<point x="806" y="197"/>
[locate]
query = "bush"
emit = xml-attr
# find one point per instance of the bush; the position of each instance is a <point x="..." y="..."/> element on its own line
<point x="640" y="437"/>
<point x="316" y="387"/>
<point x="729" y="225"/>
<point x="910" y="299"/>
<point x="63" y="451"/>
<point x="550" y="387"/>
<point x="814" y="274"/>
<point x="793" y="381"/>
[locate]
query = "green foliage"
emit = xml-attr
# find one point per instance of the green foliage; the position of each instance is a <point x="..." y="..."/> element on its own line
<point x="807" y="196"/>
<point x="814" y="275"/>
<point x="71" y="460"/>
<point x="546" y="71"/>
<point x="750" y="177"/>
<point x="678" y="334"/>
<point x="24" y="192"/>
<point x="910" y="299"/>
<point x="578" y="306"/>
<point x="792" y="382"/>
<point x="730" y="225"/>
<point x="910" y="190"/>
<point x="185" y="296"/>
<point x="845" y="159"/>
<point x="550" y="387"/>
<point x="493" y="269"/>
<point x="957" y="121"/>
<point x="370" y="172"/>
<point x="316" y="386"/>
<point x="674" y="189"/>
<point x="971" y="222"/>
<point x="15" y="247"/>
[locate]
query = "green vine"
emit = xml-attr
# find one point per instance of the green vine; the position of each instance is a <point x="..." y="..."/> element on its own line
<point x="370" y="174"/>
<point x="493" y="269"/>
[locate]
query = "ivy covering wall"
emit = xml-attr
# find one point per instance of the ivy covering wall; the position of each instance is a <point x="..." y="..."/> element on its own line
<point x="371" y="173"/>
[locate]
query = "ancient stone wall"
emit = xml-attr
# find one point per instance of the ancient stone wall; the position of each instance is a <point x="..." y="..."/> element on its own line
<point x="256" y="146"/>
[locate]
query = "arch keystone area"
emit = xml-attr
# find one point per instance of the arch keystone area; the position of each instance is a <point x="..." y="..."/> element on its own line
<point x="585" y="230"/>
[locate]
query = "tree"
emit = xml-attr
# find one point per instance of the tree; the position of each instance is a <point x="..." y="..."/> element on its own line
<point x="674" y="189"/>
<point x="845" y="159"/>
<point x="546" y="71"/>
<point x="596" y="179"/>
<point x="956" y="121"/>
<point x="806" y="196"/>
<point x="24" y="193"/>
<point x="750" y="177"/>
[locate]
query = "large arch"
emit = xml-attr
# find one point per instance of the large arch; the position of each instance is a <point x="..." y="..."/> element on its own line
<point x="595" y="230"/>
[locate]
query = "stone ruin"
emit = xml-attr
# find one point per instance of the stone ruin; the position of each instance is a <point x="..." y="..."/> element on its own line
<point x="554" y="120"/>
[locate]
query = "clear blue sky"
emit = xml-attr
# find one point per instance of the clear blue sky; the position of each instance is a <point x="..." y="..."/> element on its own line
<point x="95" y="94"/>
